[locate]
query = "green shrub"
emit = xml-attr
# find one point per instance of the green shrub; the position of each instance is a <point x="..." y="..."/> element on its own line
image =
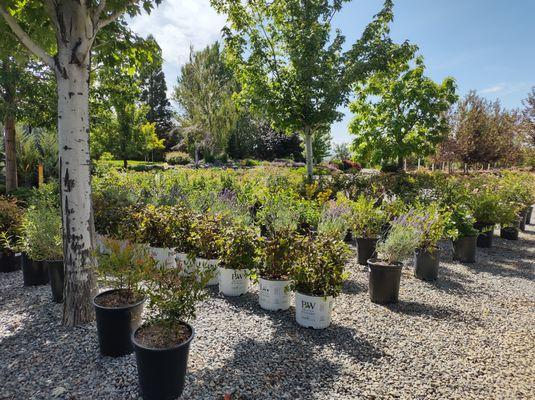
<point x="11" y="222"/>
<point x="319" y="268"/>
<point x="368" y="218"/>
<point x="178" y="158"/>
<point x="240" y="247"/>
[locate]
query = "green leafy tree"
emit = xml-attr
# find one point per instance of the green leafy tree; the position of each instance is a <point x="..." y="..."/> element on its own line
<point x="290" y="66"/>
<point x="204" y="93"/>
<point x="400" y="112"/>
<point x="71" y="62"/>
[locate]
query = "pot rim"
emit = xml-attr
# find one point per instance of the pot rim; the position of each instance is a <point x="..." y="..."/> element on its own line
<point x="116" y="308"/>
<point x="274" y="280"/>
<point x="53" y="261"/>
<point x="375" y="262"/>
<point x="136" y="344"/>
<point x="367" y="237"/>
<point x="234" y="269"/>
<point x="314" y="296"/>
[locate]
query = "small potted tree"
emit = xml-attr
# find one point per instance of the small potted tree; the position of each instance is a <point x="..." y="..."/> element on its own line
<point x="279" y="217"/>
<point x="162" y="343"/>
<point x="239" y="245"/>
<point x="11" y="217"/>
<point x="509" y="220"/>
<point x="484" y="205"/>
<point x="464" y="234"/>
<point x="368" y="220"/>
<point x="385" y="270"/>
<point x="430" y="223"/>
<point x="118" y="310"/>
<point x="317" y="278"/>
<point x="205" y="239"/>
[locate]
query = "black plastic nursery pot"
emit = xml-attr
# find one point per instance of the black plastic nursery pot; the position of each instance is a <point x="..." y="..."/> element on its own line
<point x="523" y="219"/>
<point x="9" y="261"/>
<point x="162" y="372"/>
<point x="465" y="249"/>
<point x="528" y="215"/>
<point x="426" y="264"/>
<point x="34" y="273"/>
<point x="384" y="280"/>
<point x="484" y="239"/>
<point x="365" y="249"/>
<point x="509" y="233"/>
<point x="115" y="326"/>
<point x="56" y="276"/>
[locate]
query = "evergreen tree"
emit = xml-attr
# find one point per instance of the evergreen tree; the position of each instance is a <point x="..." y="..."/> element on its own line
<point x="154" y="95"/>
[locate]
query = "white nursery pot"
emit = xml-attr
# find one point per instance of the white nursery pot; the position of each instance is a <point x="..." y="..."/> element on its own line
<point x="312" y="311"/>
<point x="233" y="282"/>
<point x="164" y="256"/>
<point x="211" y="264"/>
<point x="272" y="294"/>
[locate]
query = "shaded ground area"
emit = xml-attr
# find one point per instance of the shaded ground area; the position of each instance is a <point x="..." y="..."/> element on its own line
<point x="469" y="335"/>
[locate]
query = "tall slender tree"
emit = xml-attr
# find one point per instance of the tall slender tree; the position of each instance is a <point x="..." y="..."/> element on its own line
<point x="292" y="67"/>
<point x="154" y="94"/>
<point x="76" y="24"/>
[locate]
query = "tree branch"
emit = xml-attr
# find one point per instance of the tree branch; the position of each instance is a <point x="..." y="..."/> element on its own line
<point x="114" y="16"/>
<point x="25" y="39"/>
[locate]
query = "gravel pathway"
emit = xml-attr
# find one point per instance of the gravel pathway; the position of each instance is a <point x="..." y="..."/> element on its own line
<point x="470" y="335"/>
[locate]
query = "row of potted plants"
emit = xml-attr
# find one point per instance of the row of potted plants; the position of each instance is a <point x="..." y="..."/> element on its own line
<point x="31" y="240"/>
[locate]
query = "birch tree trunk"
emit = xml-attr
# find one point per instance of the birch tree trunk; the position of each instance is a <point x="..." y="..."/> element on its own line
<point x="309" y="154"/>
<point x="72" y="76"/>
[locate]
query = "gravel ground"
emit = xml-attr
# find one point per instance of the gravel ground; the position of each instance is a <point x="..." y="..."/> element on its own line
<point x="469" y="335"/>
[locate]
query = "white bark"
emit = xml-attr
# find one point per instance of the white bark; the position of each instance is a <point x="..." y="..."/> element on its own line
<point x="72" y="74"/>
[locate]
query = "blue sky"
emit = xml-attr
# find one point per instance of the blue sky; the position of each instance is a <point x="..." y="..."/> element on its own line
<point x="488" y="46"/>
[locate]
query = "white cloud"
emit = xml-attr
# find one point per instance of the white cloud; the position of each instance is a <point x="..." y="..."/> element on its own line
<point x="177" y="25"/>
<point x="494" y="89"/>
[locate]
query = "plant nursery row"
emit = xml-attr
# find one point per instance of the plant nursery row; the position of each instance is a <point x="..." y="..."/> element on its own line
<point x="162" y="238"/>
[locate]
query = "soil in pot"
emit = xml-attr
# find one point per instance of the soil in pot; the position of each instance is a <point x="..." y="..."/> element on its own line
<point x="34" y="273"/>
<point x="465" y="249"/>
<point x="9" y="261"/>
<point x="313" y="311"/>
<point x="118" y="314"/>
<point x="272" y="294"/>
<point x="509" y="233"/>
<point x="365" y="249"/>
<point x="162" y="358"/>
<point x="384" y="280"/>
<point x="426" y="264"/>
<point x="56" y="276"/>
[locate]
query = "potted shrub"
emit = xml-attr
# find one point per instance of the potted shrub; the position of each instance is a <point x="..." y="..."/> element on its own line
<point x="368" y="220"/>
<point x="430" y="223"/>
<point x="464" y="234"/>
<point x="517" y="190"/>
<point x="118" y="310"/>
<point x="239" y="245"/>
<point x="509" y="220"/>
<point x="36" y="231"/>
<point x="279" y="217"/>
<point x="385" y="270"/>
<point x="204" y="239"/>
<point x="162" y="343"/>
<point x="160" y="227"/>
<point x="484" y="205"/>
<point x="51" y="237"/>
<point x="11" y="217"/>
<point x="317" y="278"/>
